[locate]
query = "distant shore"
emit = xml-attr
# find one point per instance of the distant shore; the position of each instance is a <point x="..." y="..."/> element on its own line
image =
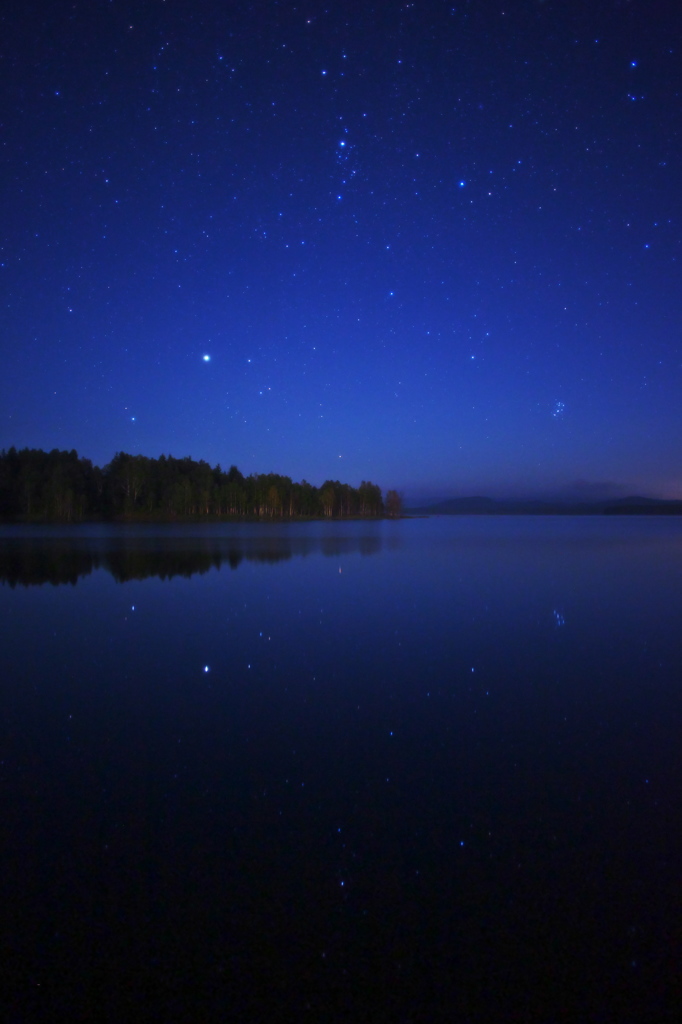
<point x="663" y="508"/>
<point x="155" y="520"/>
<point x="632" y="506"/>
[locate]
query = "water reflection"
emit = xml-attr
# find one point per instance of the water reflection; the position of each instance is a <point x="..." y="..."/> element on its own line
<point x="449" y="773"/>
<point x="31" y="561"/>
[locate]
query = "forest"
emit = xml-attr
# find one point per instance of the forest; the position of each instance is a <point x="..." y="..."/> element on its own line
<point x="38" y="486"/>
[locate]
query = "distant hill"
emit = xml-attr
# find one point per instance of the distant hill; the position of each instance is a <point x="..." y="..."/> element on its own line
<point x="481" y="506"/>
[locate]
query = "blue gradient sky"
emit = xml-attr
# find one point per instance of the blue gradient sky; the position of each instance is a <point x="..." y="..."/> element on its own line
<point x="437" y="246"/>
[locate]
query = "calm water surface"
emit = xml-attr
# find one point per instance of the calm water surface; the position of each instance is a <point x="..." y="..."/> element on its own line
<point x="413" y="771"/>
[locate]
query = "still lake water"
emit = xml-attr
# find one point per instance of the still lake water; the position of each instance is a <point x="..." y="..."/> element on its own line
<point x="395" y="771"/>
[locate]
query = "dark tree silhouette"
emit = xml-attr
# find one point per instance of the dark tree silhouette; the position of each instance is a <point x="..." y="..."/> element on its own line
<point x="394" y="504"/>
<point x="37" y="485"/>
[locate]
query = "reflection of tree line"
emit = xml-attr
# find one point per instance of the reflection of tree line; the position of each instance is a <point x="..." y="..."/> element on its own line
<point x="58" y="485"/>
<point x="29" y="562"/>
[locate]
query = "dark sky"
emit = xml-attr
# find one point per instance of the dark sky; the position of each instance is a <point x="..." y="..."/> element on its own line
<point x="434" y="245"/>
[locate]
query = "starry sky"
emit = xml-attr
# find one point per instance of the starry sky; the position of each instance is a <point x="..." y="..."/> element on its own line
<point x="433" y="245"/>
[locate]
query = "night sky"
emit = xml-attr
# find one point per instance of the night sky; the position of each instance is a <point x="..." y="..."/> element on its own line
<point x="436" y="246"/>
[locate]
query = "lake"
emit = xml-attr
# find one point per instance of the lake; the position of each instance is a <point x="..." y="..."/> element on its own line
<point x="399" y="771"/>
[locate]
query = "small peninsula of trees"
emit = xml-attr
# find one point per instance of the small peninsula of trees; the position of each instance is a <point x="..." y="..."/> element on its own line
<point x="36" y="486"/>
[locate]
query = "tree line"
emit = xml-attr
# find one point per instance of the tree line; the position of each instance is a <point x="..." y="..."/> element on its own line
<point x="59" y="485"/>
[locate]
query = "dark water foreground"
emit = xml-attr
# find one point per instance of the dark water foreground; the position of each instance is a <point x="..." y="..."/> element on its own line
<point x="398" y="771"/>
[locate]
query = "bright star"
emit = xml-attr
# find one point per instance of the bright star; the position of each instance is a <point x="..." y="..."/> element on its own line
<point x="206" y="358"/>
